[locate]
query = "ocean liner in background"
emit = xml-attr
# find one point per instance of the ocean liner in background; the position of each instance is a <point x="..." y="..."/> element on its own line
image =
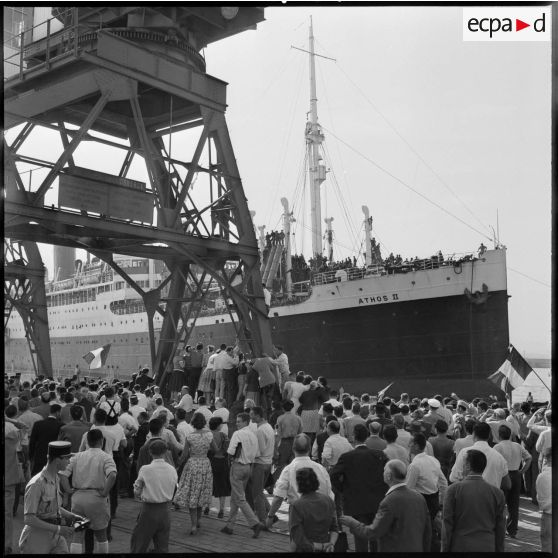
<point x="430" y="325"/>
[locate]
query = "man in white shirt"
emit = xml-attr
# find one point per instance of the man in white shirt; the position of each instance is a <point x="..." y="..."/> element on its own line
<point x="155" y="487"/>
<point x="223" y="413"/>
<point x="160" y="409"/>
<point x="219" y="365"/>
<point x="203" y="408"/>
<point x="111" y="405"/>
<point x="514" y="454"/>
<point x="393" y="450"/>
<point x="544" y="441"/>
<point x="282" y="362"/>
<point x="135" y="407"/>
<point x="335" y="445"/>
<point x="403" y="436"/>
<point x="142" y="399"/>
<point x="468" y="441"/>
<point x="286" y="487"/>
<point x="246" y="442"/>
<point x="262" y="464"/>
<point x="333" y="401"/>
<point x="182" y="427"/>
<point x="425" y="476"/>
<point x="113" y="438"/>
<point x="186" y="402"/>
<point x="294" y="389"/>
<point x="496" y="466"/>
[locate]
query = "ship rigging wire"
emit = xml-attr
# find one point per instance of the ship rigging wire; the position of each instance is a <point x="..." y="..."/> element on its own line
<point x="408" y="186"/>
<point x="406" y="142"/>
<point x="529" y="277"/>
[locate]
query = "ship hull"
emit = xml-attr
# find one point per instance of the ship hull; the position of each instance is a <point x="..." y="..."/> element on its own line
<point x="443" y="330"/>
<point x="442" y="345"/>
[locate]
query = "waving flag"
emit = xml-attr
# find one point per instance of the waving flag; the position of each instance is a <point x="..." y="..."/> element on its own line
<point x="97" y="357"/>
<point x="382" y="392"/>
<point x="512" y="373"/>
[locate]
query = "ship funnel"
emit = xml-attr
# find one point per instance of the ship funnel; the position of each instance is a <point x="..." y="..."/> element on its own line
<point x="64" y="261"/>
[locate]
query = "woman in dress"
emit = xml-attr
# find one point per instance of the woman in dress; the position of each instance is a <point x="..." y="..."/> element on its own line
<point x="196" y="483"/>
<point x="242" y="370"/>
<point x="310" y="403"/>
<point x="130" y="425"/>
<point x="206" y="382"/>
<point x="219" y="466"/>
<point x="251" y="384"/>
<point x="312" y="519"/>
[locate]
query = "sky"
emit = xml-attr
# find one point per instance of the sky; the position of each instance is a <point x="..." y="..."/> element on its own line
<point x="411" y="113"/>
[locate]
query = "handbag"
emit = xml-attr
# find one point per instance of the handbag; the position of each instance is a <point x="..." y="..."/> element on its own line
<point x="342" y="543"/>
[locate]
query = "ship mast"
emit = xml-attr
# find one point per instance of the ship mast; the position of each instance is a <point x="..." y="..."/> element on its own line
<point x="329" y="238"/>
<point x="368" y="234"/>
<point x="317" y="171"/>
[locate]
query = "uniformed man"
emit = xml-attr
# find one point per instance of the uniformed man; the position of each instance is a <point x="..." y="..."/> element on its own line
<point x="47" y="523"/>
<point x="93" y="474"/>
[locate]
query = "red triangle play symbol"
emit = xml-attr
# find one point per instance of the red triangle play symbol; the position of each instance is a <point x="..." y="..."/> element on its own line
<point x="519" y="25"/>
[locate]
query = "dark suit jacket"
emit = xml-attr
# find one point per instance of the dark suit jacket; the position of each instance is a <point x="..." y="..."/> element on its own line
<point x="473" y="517"/>
<point x="43" y="432"/>
<point x="402" y="523"/>
<point x="359" y="475"/>
<point x="144" y="457"/>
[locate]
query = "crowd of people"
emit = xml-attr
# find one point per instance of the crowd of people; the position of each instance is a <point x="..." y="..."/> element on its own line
<point x="406" y="474"/>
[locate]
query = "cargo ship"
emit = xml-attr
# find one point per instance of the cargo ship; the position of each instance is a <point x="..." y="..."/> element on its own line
<point x="432" y="325"/>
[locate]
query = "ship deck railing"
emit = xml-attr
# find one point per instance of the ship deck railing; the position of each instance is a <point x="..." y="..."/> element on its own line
<point x="84" y="279"/>
<point x="387" y="268"/>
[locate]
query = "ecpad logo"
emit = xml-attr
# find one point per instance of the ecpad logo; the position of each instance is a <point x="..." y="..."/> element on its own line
<point x="506" y="24"/>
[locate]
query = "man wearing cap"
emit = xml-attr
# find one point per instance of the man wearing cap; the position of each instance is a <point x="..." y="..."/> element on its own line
<point x="432" y="415"/>
<point x="46" y="522"/>
<point x="93" y="474"/>
<point x="43" y="432"/>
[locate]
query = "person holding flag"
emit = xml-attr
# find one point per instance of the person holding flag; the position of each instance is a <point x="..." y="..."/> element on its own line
<point x="383" y="392"/>
<point x="512" y="373"/>
<point x="98" y="357"/>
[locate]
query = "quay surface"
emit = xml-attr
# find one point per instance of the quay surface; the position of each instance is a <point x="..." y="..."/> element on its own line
<point x="210" y="539"/>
